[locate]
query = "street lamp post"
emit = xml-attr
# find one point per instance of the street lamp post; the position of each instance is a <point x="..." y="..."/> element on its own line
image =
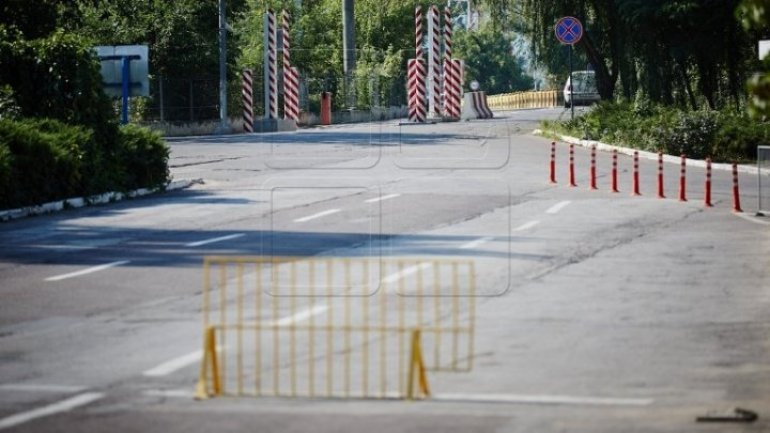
<point x="223" y="128"/>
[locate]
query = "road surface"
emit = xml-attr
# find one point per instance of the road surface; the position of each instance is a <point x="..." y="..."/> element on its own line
<point x="595" y="311"/>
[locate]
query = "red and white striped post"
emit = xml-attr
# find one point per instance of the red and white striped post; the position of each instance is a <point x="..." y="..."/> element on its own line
<point x="434" y="59"/>
<point x="707" y="189"/>
<point x="553" y="162"/>
<point x="418" y="32"/>
<point x="593" y="168"/>
<point x="451" y="88"/>
<point x="660" y="176"/>
<point x="615" y="170"/>
<point x="416" y="88"/>
<point x="247" y="94"/>
<point x="572" y="165"/>
<point x="736" y="193"/>
<point x="683" y="179"/>
<point x="270" y="66"/>
<point x="290" y="75"/>
<point x="636" y="174"/>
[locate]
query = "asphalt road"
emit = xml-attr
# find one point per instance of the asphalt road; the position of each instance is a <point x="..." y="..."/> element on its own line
<point x="594" y="311"/>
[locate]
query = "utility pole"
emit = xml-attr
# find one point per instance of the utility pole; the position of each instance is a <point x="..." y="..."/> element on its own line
<point x="223" y="128"/>
<point x="348" y="45"/>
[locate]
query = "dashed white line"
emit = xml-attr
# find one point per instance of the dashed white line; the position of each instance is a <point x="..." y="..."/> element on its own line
<point x="392" y="278"/>
<point x="558" y="207"/>
<point x="544" y="399"/>
<point x="301" y="315"/>
<point x="526" y="226"/>
<point x="175" y="364"/>
<point x="183" y="361"/>
<point x="476" y="243"/>
<point x="213" y="240"/>
<point x="88" y="271"/>
<point x="317" y="215"/>
<point x="170" y="393"/>
<point x="34" y="387"/>
<point x="383" y="198"/>
<point x="51" y="409"/>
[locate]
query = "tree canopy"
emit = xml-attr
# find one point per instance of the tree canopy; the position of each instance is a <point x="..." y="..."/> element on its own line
<point x="684" y="52"/>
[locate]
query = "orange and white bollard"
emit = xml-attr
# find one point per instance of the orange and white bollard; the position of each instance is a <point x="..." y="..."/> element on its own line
<point x="615" y="170"/>
<point x="707" y="193"/>
<point x="593" y="168"/>
<point x="636" y="174"/>
<point x="682" y="179"/>
<point x="736" y="194"/>
<point x="553" y="162"/>
<point x="660" y="176"/>
<point x="572" y="165"/>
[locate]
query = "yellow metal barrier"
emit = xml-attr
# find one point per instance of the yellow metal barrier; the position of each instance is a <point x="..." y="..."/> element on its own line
<point x="334" y="327"/>
<point x="512" y="101"/>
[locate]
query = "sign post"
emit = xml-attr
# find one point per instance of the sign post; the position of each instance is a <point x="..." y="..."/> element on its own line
<point x="569" y="30"/>
<point x="124" y="73"/>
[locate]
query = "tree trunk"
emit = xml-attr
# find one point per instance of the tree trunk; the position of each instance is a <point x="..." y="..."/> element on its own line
<point x="604" y="80"/>
<point x="686" y="82"/>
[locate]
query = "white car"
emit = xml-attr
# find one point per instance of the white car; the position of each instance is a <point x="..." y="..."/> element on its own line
<point x="585" y="90"/>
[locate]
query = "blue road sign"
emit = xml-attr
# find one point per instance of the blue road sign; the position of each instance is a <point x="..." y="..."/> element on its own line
<point x="569" y="30"/>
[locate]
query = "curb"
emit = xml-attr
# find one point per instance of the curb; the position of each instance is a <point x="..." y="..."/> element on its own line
<point x="748" y="169"/>
<point x="78" y="202"/>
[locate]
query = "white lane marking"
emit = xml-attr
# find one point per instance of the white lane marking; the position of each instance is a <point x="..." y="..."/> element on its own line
<point x="544" y="399"/>
<point x="383" y="198"/>
<point x="558" y="207"/>
<point x="51" y="409"/>
<point x="476" y="243"/>
<point x="392" y="278"/>
<point x="755" y="220"/>
<point x="317" y="215"/>
<point x="88" y="271"/>
<point x="170" y="393"/>
<point x="34" y="387"/>
<point x="526" y="226"/>
<point x="301" y="315"/>
<point x="213" y="240"/>
<point x="183" y="361"/>
<point x="175" y="364"/>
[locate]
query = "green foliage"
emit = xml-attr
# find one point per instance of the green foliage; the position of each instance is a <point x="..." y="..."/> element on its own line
<point x="45" y="160"/>
<point x="684" y="52"/>
<point x="723" y="136"/>
<point x="57" y="77"/>
<point x="755" y="15"/>
<point x="64" y="140"/>
<point x="144" y="158"/>
<point x="9" y="109"/>
<point x="488" y="60"/>
<point x="42" y="164"/>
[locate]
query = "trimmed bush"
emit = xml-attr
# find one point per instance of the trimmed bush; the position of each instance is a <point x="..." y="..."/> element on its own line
<point x="46" y="160"/>
<point x="723" y="136"/>
<point x="143" y="157"/>
<point x="45" y="165"/>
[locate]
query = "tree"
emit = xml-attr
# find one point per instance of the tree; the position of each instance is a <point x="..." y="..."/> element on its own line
<point x="755" y="15"/>
<point x="488" y="60"/>
<point x="684" y="52"/>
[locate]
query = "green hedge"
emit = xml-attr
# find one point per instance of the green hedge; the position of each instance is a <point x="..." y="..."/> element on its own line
<point x="144" y="158"/>
<point x="46" y="160"/>
<point x="722" y="135"/>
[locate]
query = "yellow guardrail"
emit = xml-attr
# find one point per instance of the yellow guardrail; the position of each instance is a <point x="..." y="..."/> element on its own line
<point x="512" y="101"/>
<point x="334" y="327"/>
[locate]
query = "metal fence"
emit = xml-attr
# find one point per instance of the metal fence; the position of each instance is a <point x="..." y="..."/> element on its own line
<point x="512" y="101"/>
<point x="334" y="327"/>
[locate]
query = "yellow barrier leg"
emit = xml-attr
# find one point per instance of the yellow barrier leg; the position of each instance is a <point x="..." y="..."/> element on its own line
<point x="209" y="363"/>
<point x="417" y="366"/>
